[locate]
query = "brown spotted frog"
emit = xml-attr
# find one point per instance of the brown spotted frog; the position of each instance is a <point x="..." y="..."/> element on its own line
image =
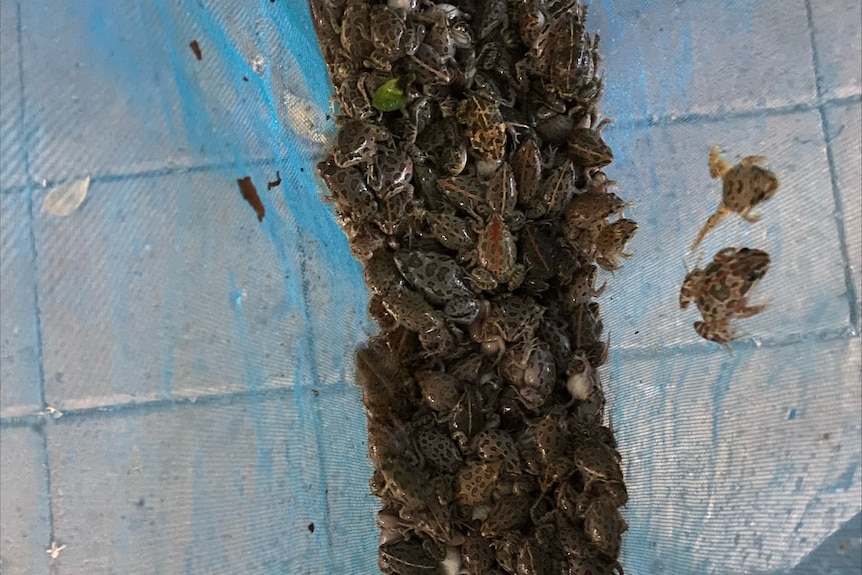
<point x="611" y="241"/>
<point x="480" y="114"/>
<point x="507" y="318"/>
<point x="587" y="149"/>
<point x="496" y="254"/>
<point x="357" y="142"/>
<point x="721" y="290"/>
<point x="441" y="279"/>
<point x="744" y="186"/>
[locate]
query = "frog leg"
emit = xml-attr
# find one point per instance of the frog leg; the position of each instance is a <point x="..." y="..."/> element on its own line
<point x="748" y="216"/>
<point x="717" y="330"/>
<point x="713" y="221"/>
<point x="749" y="310"/>
<point x="717" y="166"/>
<point x="753" y="161"/>
<point x="601" y="125"/>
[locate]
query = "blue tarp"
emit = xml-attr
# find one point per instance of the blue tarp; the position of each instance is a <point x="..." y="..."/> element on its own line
<point x="176" y="376"/>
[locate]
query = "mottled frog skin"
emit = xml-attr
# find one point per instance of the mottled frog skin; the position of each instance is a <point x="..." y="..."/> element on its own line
<point x="745" y="186"/>
<point x="720" y="291"/>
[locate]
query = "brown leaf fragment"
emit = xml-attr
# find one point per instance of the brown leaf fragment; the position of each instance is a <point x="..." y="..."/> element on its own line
<point x="249" y="194"/>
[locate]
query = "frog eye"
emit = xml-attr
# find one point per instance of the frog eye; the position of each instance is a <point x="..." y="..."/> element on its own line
<point x="754" y="275"/>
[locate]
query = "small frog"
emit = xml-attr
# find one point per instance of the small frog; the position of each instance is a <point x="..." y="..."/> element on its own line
<point x="412" y="311"/>
<point x="442" y="282"/>
<point x="596" y="461"/>
<point x="582" y="288"/>
<point x="357" y="142"/>
<point x="527" y="167"/>
<point x="430" y="67"/>
<point x="501" y="195"/>
<point x="477" y="556"/>
<point x="467" y="418"/>
<point x="544" y="255"/>
<point x="348" y="189"/>
<point x="465" y="192"/>
<point x="407" y="558"/>
<point x="721" y="290"/>
<point x="530" y="368"/>
<point x="390" y="36"/>
<point x="475" y="482"/>
<point x="590" y="210"/>
<point x="497" y="445"/>
<point x="356" y="30"/>
<point x="393" y="170"/>
<point x="405" y="483"/>
<point x="480" y="114"/>
<point x="745" y="186"/>
<point x="391" y="212"/>
<point x="587" y="149"/>
<point x="438" y="449"/>
<point x="496" y="254"/>
<point x="441" y="390"/>
<point x="450" y="230"/>
<point x="507" y="513"/>
<point x="507" y="318"/>
<point x="611" y="241"/>
<point x="604" y="526"/>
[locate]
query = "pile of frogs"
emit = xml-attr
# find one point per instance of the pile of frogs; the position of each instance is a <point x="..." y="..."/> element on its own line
<point x="467" y="176"/>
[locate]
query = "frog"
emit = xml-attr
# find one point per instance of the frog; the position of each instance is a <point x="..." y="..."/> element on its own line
<point x="568" y="59"/>
<point x="465" y="192"/>
<point x="497" y="445"/>
<point x="527" y="168"/>
<point x="557" y="189"/>
<point x="744" y="187"/>
<point x="383" y="382"/>
<point x="442" y="140"/>
<point x="357" y="142"/>
<point x="393" y="170"/>
<point x="596" y="461"/>
<point x="363" y="239"/>
<point x="554" y="329"/>
<point x="391" y="212"/>
<point x="506" y="513"/>
<point x="431" y="68"/>
<point x="611" y="241"/>
<point x="356" y="31"/>
<point x="477" y="555"/>
<point x="480" y="115"/>
<point x="441" y="279"/>
<point x="404" y="482"/>
<point x="381" y="274"/>
<point x="438" y="448"/>
<point x="452" y="231"/>
<point x="467" y="418"/>
<point x="407" y="558"/>
<point x="529" y="367"/>
<point x="412" y="311"/>
<point x="586" y="148"/>
<point x="391" y="36"/>
<point x="604" y="526"/>
<point x="581" y="289"/>
<point x="501" y="194"/>
<point x="721" y="291"/>
<point x="351" y="95"/>
<point x="475" y="482"/>
<point x="505" y="319"/>
<point x="441" y="391"/>
<point x="348" y="189"/>
<point x="590" y="210"/>
<point x="496" y="256"/>
<point x="469" y="368"/>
